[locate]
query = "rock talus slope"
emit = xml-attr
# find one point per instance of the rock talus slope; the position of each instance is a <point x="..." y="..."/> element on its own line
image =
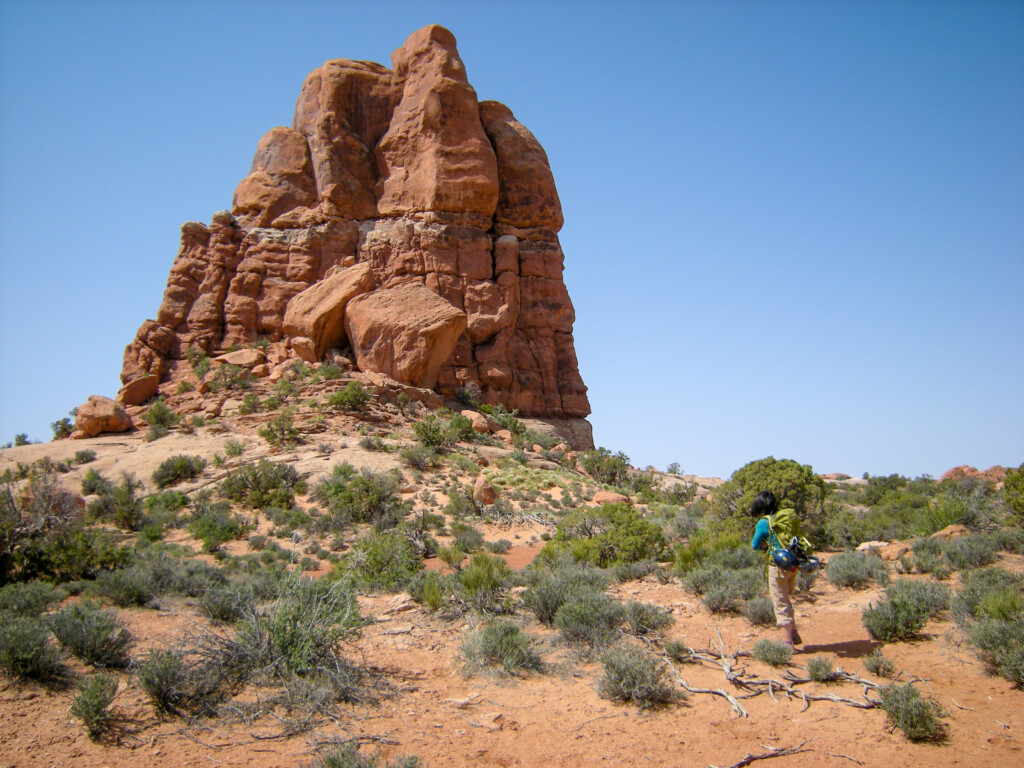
<point x="392" y="185"/>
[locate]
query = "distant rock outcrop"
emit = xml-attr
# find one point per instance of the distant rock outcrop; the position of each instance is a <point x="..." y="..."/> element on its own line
<point x="397" y="215"/>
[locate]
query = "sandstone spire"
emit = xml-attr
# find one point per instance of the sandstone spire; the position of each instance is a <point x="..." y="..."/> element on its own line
<point x="398" y="216"/>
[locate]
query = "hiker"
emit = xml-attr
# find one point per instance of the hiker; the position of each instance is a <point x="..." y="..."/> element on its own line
<point x="781" y="579"/>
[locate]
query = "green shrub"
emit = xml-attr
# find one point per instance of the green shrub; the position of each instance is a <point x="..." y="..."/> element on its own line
<point x="353" y="397"/>
<point x="606" y="535"/>
<point x="968" y="552"/>
<point x="484" y="578"/>
<point x="214" y="524"/>
<point x="724" y="590"/>
<point x="467" y="538"/>
<point x="92" y="634"/>
<point x="178" y="468"/>
<point x="773" y="653"/>
<point x="280" y="430"/>
<point x="624" y="572"/>
<point x="913" y="714"/>
<point x="25" y="648"/>
<point x="856" y="569"/>
<point x="84" y="456"/>
<point x="896" y="619"/>
<point x="552" y="587"/>
<point x="929" y="595"/>
<point x="162" y="675"/>
<point x="1000" y="644"/>
<point x="760" y="612"/>
<point x="127" y="586"/>
<point x="160" y="418"/>
<point x="419" y="457"/>
<point x="499" y="547"/>
<point x="94" y="483"/>
<point x="605" y="467"/>
<point x="635" y="676"/>
<point x="643" y="618"/>
<point x="263" y="484"/>
<point x="118" y="503"/>
<point x="425" y="588"/>
<point x="347" y="756"/>
<point x="877" y="664"/>
<point x="226" y="604"/>
<point x="382" y="561"/>
<point x="589" y="617"/>
<point x="431" y="432"/>
<point x="500" y="644"/>
<point x="234" y="448"/>
<point x="229" y="376"/>
<point x="92" y="704"/>
<point x="819" y="669"/>
<point x="361" y="497"/>
<point x="29" y="599"/>
<point x="795" y="485"/>
<point x="679" y="652"/>
<point x="976" y="587"/>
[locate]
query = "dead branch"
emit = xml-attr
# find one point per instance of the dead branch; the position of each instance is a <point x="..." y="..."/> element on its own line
<point x="749" y="758"/>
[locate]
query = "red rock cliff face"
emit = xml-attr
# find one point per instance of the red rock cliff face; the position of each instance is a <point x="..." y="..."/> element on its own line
<point x="387" y="177"/>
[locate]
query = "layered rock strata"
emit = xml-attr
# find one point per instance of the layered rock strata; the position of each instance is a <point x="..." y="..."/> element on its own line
<point x="398" y="215"/>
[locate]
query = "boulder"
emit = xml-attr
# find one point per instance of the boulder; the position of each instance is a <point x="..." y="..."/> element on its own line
<point x="101" y="414"/>
<point x="137" y="391"/>
<point x="479" y="421"/>
<point x="243" y="358"/>
<point x="406" y="332"/>
<point x="484" y="492"/>
<point x="610" y="497"/>
<point x="867" y="546"/>
<point x="318" y="313"/>
<point x="951" y="532"/>
<point x="894" y="551"/>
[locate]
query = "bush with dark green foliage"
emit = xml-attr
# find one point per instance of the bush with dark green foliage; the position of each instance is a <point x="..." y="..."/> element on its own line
<point x="361" y="497"/>
<point x="724" y="583"/>
<point x="644" y="618"/>
<point x="606" y="467"/>
<point x="92" y="704"/>
<point x="551" y="587"/>
<point x="84" y="456"/>
<point x="913" y="714"/>
<point x="25" y="648"/>
<point x="160" y="418"/>
<point x="263" y="484"/>
<point x="500" y="644"/>
<point x="280" y="431"/>
<point x="606" y="535"/>
<point x="989" y="610"/>
<point x="347" y="755"/>
<point x="419" y="457"/>
<point x="483" y="580"/>
<point x="94" y="483"/>
<point x="119" y="503"/>
<point x="856" y="569"/>
<point x="29" y="599"/>
<point x="877" y="664"/>
<point x="41" y="532"/>
<point x="589" y="617"/>
<point x="467" y="538"/>
<point x="352" y="397"/>
<point x="796" y="486"/>
<point x="635" y="676"/>
<point x="773" y="653"/>
<point x="380" y="561"/>
<point x="230" y="376"/>
<point x="213" y="523"/>
<point x="1013" y="492"/>
<point x="94" y="635"/>
<point x="178" y="468"/>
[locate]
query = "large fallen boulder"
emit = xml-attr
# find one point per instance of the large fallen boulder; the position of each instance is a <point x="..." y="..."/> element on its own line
<point x="318" y="313"/>
<point x="101" y="414"/>
<point x="406" y="332"/>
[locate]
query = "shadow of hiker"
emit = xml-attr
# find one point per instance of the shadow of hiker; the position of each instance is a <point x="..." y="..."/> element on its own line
<point x="851" y="649"/>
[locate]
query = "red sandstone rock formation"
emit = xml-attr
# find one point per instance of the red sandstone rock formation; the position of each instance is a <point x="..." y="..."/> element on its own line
<point x="387" y="179"/>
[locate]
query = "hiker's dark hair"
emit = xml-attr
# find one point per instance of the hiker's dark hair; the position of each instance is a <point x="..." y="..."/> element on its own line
<point x="764" y="503"/>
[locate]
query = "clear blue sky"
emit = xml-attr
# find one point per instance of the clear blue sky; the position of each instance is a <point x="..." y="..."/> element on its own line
<point x="792" y="228"/>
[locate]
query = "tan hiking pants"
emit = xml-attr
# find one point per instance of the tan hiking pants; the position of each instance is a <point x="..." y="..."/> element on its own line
<point x="780" y="586"/>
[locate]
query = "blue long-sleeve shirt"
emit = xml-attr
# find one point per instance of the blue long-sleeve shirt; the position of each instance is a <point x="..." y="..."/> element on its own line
<point x="762" y="535"/>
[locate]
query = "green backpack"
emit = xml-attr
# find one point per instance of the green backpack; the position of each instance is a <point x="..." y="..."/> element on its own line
<point x="783" y="527"/>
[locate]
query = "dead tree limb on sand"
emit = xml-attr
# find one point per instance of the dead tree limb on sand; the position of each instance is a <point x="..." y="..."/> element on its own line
<point x="749" y="758"/>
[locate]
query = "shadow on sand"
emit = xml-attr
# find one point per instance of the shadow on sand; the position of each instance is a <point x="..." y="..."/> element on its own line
<point x="853" y="649"/>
